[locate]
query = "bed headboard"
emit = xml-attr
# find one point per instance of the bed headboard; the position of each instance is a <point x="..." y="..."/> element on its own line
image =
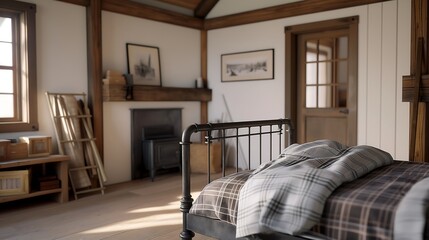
<point x="252" y="139"/>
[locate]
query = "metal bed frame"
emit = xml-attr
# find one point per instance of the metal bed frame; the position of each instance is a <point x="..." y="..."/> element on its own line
<point x="238" y="131"/>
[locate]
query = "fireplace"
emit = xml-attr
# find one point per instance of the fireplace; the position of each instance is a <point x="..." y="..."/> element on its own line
<point x="155" y="136"/>
<point x="160" y="148"/>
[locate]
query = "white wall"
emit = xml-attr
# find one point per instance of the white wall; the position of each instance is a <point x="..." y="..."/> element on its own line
<point x="384" y="43"/>
<point x="179" y="47"/>
<point x="62" y="67"/>
<point x="180" y="65"/>
<point x="61" y="57"/>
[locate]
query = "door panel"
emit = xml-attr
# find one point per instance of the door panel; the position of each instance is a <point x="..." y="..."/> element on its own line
<point x="314" y="130"/>
<point x="326" y="87"/>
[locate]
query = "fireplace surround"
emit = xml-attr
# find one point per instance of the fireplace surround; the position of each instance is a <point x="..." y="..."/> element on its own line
<point x="155" y="136"/>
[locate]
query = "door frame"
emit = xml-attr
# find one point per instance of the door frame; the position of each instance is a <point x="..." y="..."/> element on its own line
<point x="291" y="64"/>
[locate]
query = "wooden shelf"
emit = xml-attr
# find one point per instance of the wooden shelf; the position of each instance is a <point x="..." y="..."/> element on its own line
<point x="61" y="165"/>
<point x="31" y="194"/>
<point x="147" y="93"/>
<point x="408" y="88"/>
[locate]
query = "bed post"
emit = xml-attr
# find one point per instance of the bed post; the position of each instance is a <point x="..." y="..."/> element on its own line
<point x="186" y="200"/>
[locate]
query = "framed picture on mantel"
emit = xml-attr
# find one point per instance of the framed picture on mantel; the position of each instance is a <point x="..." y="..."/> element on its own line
<point x="144" y="64"/>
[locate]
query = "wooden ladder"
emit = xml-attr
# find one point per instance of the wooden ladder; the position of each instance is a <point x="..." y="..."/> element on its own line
<point x="72" y="121"/>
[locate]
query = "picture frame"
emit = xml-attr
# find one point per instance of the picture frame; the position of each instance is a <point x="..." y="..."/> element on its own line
<point x="144" y="64"/>
<point x="245" y="66"/>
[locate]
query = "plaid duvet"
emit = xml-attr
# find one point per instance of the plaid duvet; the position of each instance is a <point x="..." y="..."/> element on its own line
<point x="288" y="195"/>
<point x="366" y="208"/>
<point x="219" y="199"/>
<point x="362" y="209"/>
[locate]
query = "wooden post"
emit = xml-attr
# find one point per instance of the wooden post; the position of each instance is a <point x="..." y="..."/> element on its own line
<point x="95" y="88"/>
<point x="419" y="128"/>
<point x="204" y="104"/>
<point x="415" y="104"/>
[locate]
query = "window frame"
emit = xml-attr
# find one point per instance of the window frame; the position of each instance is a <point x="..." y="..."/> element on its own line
<point x="25" y="76"/>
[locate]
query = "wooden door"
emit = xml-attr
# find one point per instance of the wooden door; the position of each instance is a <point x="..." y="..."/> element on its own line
<point x="326" y="86"/>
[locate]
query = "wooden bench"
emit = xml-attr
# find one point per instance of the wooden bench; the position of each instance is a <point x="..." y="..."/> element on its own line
<point x="61" y="166"/>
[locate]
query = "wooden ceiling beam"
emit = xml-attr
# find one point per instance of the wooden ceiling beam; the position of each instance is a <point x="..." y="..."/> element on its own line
<point x="140" y="10"/>
<point x="282" y="11"/>
<point x="204" y="8"/>
<point x="135" y="9"/>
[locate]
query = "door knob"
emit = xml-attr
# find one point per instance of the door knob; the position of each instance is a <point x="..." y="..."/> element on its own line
<point x="345" y="111"/>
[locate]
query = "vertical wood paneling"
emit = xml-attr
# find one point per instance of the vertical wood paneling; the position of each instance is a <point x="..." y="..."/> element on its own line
<point x="403" y="69"/>
<point x="374" y="75"/>
<point x="388" y="77"/>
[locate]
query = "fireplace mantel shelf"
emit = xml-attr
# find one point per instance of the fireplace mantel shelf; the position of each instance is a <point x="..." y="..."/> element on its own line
<point x="116" y="93"/>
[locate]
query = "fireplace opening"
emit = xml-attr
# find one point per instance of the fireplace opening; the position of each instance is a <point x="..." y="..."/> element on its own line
<point x="155" y="139"/>
<point x="158" y="132"/>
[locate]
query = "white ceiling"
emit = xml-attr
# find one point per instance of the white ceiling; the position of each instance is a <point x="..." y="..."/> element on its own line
<point x="228" y="7"/>
<point x="166" y="6"/>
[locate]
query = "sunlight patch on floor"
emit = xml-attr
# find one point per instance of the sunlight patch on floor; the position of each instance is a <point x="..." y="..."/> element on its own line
<point x="158" y="220"/>
<point x="170" y="206"/>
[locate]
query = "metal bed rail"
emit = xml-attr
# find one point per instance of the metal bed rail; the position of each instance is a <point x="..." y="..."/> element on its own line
<point x="274" y="130"/>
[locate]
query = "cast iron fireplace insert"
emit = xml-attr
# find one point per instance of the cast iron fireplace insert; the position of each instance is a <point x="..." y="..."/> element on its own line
<point x="155" y="134"/>
<point x="160" y="148"/>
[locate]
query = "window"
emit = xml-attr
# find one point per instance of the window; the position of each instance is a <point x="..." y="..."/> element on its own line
<point x="327" y="71"/>
<point x="18" y="93"/>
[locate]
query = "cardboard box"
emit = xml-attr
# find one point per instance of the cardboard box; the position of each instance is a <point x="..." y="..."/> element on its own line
<point x="114" y="92"/>
<point x="4" y="144"/>
<point x="14" y="182"/>
<point x="199" y="159"/>
<point x="17" y="151"/>
<point x="38" y="146"/>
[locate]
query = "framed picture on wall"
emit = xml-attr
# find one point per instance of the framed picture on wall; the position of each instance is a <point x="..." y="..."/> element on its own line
<point x="244" y="66"/>
<point x="144" y="64"/>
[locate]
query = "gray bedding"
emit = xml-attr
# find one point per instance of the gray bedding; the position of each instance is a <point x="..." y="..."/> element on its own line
<point x="361" y="209"/>
<point x="287" y="195"/>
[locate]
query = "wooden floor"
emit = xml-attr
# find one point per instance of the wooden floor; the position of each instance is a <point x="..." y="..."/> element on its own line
<point x="135" y="210"/>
